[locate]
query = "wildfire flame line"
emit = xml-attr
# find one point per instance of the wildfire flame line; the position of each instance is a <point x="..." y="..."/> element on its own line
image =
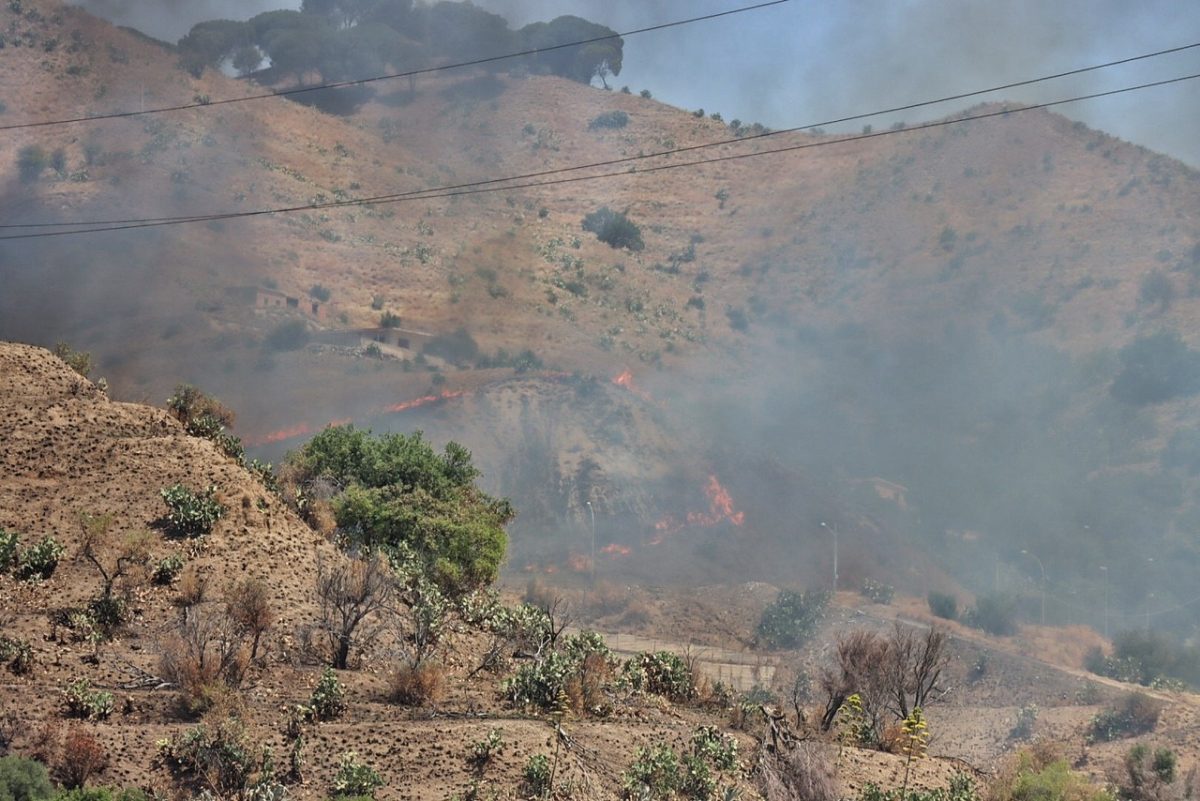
<point x="625" y="379"/>
<point x="303" y="429"/>
<point x="720" y="509"/>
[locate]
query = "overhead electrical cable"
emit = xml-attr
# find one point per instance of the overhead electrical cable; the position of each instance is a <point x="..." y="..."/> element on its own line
<point x="622" y="160"/>
<point x="389" y="76"/>
<point x="442" y="193"/>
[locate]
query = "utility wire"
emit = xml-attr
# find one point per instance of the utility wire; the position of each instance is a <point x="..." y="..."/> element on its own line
<point x="436" y="194"/>
<point x="390" y="76"/>
<point x="640" y="157"/>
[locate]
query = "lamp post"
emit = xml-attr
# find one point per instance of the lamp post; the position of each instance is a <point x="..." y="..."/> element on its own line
<point x="1042" y="568"/>
<point x="1104" y="570"/>
<point x="833" y="528"/>
<point x="593" y="563"/>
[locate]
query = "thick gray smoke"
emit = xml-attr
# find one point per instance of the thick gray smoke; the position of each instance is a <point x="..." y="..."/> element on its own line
<point x="170" y="19"/>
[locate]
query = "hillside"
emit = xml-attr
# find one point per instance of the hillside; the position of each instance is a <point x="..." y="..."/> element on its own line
<point x="69" y="450"/>
<point x="942" y="310"/>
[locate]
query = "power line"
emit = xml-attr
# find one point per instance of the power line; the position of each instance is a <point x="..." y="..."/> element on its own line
<point x="480" y="189"/>
<point x="626" y="159"/>
<point x="390" y="76"/>
<point x="612" y="162"/>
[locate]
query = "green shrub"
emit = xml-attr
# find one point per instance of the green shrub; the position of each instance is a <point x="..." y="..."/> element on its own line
<point x="961" y="788"/>
<point x="400" y="493"/>
<point x="995" y="614"/>
<point x="389" y="320"/>
<point x="167" y="569"/>
<point x="38" y="561"/>
<point x="9" y="542"/>
<point x="614" y="229"/>
<point x="31" y="160"/>
<point x="1136" y="714"/>
<point x="710" y="744"/>
<point x="319" y="292"/>
<point x="288" y="335"/>
<point x="537" y="775"/>
<point x="485" y="750"/>
<point x="943" y="605"/>
<point x="355" y="778"/>
<point x="1039" y="776"/>
<point x="17" y="654"/>
<point x="877" y="592"/>
<point x="217" y="757"/>
<point x="654" y="774"/>
<point x="458" y="347"/>
<point x="609" y="119"/>
<point x="24" y="779"/>
<point x="1149" y="775"/>
<point x="1146" y="657"/>
<point x="1156" y="368"/>
<point x="792" y="619"/>
<point x="542" y="683"/>
<point x="101" y="794"/>
<point x="84" y="702"/>
<point x="660" y="673"/>
<point x="191" y="514"/>
<point x="1023" y="728"/>
<point x="328" y="699"/>
<point x="78" y="360"/>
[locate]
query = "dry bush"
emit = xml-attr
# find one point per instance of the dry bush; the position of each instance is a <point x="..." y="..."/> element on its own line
<point x="585" y="687"/>
<point x="81" y="757"/>
<point x="538" y="594"/>
<point x="419" y="685"/>
<point x="805" y="772"/>
<point x="206" y="657"/>
<point x="858" y="657"/>
<point x="607" y="598"/>
<point x="193" y="587"/>
<point x="70" y="759"/>
<point x="637" y="613"/>
<point x="248" y="605"/>
<point x="319" y="515"/>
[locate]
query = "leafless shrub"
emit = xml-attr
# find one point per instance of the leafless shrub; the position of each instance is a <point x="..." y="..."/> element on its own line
<point x="856" y="669"/>
<point x="891" y="675"/>
<point x="247" y="604"/>
<point x="205" y="656"/>
<point x="804" y="772"/>
<point x="353" y="597"/>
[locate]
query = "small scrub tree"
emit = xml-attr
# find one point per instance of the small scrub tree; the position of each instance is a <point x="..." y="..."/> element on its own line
<point x="792" y="619"/>
<point x="614" y="229"/>
<point x="610" y="120"/>
<point x="1136" y="714"/>
<point x="943" y="605"/>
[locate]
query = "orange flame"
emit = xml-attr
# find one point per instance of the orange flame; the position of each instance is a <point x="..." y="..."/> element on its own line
<point x="625" y="379"/>
<point x="579" y="563"/>
<point x="423" y="401"/>
<point x="720" y="507"/>
<point x="284" y="434"/>
<point x="614" y="549"/>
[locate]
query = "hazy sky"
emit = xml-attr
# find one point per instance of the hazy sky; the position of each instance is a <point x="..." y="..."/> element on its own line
<point x="804" y="62"/>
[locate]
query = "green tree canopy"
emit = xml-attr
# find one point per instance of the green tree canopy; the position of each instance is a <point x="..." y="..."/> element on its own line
<point x="397" y="493"/>
<point x="583" y="63"/>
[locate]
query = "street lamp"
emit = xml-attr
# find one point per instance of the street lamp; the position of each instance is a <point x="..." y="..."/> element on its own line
<point x="1043" y="569"/>
<point x="593" y="512"/>
<point x="833" y="528"/>
<point x="1104" y="570"/>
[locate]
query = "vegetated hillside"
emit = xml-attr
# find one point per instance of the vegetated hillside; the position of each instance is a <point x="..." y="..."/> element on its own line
<point x="96" y="699"/>
<point x="942" y="309"/>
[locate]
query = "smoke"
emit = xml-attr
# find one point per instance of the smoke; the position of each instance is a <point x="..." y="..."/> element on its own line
<point x="800" y="64"/>
<point x="169" y="20"/>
